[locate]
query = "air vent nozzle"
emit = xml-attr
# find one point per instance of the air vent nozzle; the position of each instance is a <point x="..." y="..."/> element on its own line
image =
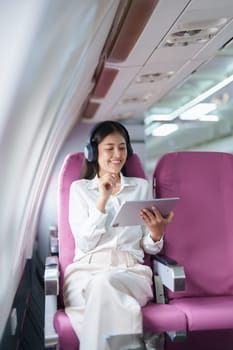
<point x="153" y="77"/>
<point x="199" y="32"/>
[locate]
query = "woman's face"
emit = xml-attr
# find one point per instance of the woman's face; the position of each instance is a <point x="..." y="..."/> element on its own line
<point x="112" y="154"/>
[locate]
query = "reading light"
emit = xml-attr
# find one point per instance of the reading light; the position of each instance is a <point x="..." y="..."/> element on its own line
<point x="164" y="129"/>
<point x="195" y="112"/>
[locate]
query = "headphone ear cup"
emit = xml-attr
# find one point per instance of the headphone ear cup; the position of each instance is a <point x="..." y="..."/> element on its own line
<point x="88" y="152"/>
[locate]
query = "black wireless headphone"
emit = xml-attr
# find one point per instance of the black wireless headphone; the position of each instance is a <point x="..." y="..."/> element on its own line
<point x="90" y="150"/>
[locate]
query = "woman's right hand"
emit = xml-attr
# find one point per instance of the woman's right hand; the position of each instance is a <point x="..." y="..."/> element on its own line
<point x="107" y="183"/>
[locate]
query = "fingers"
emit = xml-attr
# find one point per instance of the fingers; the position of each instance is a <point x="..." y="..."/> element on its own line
<point x="108" y="180"/>
<point x="150" y="215"/>
<point x="155" y="222"/>
<point x="107" y="183"/>
<point x="170" y="217"/>
<point x="154" y="216"/>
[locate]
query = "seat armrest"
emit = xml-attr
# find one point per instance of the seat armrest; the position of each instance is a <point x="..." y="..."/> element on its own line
<point x="51" y="283"/>
<point x="164" y="260"/>
<point x="51" y="276"/>
<point x="171" y="274"/>
<point x="50" y="335"/>
<point x="53" y="235"/>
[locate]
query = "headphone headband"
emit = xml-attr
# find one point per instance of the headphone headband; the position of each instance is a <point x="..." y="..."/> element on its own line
<point x="90" y="150"/>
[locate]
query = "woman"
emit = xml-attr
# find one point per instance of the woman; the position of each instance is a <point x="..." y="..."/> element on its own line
<point x="107" y="284"/>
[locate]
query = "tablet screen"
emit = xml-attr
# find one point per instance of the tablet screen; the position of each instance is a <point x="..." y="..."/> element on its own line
<point x="129" y="212"/>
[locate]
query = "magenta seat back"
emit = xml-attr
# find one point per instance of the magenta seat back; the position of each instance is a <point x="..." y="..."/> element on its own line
<point x="200" y="236"/>
<point x="70" y="172"/>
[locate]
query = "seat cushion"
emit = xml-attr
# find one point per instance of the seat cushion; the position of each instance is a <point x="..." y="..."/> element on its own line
<point x="206" y="312"/>
<point x="163" y="317"/>
<point x="156" y="317"/>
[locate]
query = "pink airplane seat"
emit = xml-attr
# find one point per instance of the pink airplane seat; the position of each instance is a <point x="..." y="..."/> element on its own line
<point x="156" y="317"/>
<point x="200" y="237"/>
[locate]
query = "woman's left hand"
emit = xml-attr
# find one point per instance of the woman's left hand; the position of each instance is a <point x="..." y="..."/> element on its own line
<point x="155" y="222"/>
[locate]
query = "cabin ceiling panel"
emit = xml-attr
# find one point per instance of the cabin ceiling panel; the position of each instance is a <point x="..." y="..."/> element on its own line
<point x="146" y="90"/>
<point x="178" y="54"/>
<point x="161" y="66"/>
<point x="215" y="6"/>
<point x="159" y="23"/>
<point x="128" y="108"/>
<point x="153" y="77"/>
<point x="218" y="42"/>
<point x="179" y="77"/>
<point x="205" y="14"/>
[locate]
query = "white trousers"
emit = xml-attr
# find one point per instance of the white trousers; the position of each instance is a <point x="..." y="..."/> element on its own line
<point x="103" y="295"/>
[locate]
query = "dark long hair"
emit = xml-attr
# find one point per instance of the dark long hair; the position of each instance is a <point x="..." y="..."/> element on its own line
<point x="91" y="168"/>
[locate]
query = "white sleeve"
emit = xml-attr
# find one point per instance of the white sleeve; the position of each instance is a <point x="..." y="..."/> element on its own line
<point x="148" y="245"/>
<point x="87" y="223"/>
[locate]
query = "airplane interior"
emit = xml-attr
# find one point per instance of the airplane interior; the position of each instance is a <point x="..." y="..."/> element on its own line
<point x="162" y="68"/>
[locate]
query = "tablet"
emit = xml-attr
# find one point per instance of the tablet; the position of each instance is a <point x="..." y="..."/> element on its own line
<point x="129" y="212"/>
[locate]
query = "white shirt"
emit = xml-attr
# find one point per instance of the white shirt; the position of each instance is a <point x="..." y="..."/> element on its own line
<point x="91" y="228"/>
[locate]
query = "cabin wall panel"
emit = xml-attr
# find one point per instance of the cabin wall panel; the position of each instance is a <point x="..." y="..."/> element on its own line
<point x="49" y="53"/>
